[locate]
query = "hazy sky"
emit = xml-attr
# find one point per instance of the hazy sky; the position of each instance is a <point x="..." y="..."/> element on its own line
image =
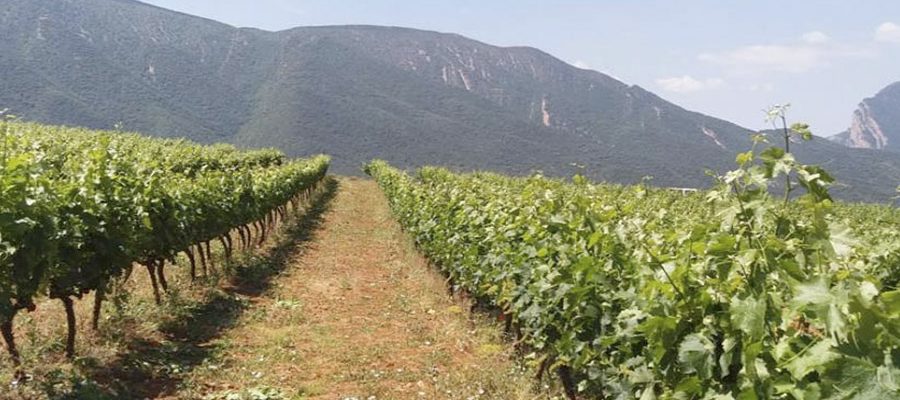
<point x="718" y="57"/>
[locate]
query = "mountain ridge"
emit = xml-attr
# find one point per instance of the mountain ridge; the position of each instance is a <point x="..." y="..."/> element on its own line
<point x="876" y="122"/>
<point x="359" y="92"/>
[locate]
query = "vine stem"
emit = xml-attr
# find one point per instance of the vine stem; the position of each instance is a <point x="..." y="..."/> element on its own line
<point x="70" y="325"/>
<point x="98" y="304"/>
<point x="787" y="150"/>
<point x="6" y="327"/>
<point x="661" y="266"/>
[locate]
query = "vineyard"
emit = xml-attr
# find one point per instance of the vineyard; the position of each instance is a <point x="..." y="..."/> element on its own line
<point x="635" y="292"/>
<point x="760" y="288"/>
<point x="80" y="210"/>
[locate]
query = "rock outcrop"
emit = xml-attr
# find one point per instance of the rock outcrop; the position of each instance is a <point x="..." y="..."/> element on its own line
<point x="876" y="123"/>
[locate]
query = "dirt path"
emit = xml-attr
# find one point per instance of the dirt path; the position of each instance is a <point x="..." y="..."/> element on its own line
<point x="357" y="314"/>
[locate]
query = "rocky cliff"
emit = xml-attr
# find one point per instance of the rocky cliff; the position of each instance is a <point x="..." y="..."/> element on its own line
<point x="876" y="123"/>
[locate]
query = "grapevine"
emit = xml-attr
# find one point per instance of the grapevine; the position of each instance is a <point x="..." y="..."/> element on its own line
<point x="79" y="209"/>
<point x="636" y="292"/>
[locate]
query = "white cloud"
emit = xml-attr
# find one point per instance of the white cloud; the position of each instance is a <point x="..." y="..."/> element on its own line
<point x="888" y="32"/>
<point x="792" y="58"/>
<point x="815" y="37"/>
<point x="768" y="57"/>
<point x="687" y="84"/>
<point x="581" y="64"/>
<point x="585" y="65"/>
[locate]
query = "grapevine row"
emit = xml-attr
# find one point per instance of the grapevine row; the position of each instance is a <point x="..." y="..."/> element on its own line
<point x="632" y="292"/>
<point x="79" y="209"/>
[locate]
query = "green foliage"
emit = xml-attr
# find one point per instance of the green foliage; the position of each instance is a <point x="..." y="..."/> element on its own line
<point x="78" y="208"/>
<point x="730" y="294"/>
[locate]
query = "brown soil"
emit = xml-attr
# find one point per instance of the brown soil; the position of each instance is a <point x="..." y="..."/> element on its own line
<point x="360" y="315"/>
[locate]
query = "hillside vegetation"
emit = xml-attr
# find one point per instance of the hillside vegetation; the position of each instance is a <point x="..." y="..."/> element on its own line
<point x="410" y="97"/>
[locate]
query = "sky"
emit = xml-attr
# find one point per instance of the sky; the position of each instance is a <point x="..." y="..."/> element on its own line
<point x="728" y="59"/>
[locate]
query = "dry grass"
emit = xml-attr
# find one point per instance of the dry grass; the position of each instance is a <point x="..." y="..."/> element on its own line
<point x="342" y="307"/>
<point x="361" y="315"/>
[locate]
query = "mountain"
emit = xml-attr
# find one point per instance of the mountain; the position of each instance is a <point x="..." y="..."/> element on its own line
<point x="361" y="92"/>
<point x="876" y="123"/>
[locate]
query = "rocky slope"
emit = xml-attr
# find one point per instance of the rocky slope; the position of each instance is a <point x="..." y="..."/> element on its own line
<point x="360" y="92"/>
<point x="876" y="123"/>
